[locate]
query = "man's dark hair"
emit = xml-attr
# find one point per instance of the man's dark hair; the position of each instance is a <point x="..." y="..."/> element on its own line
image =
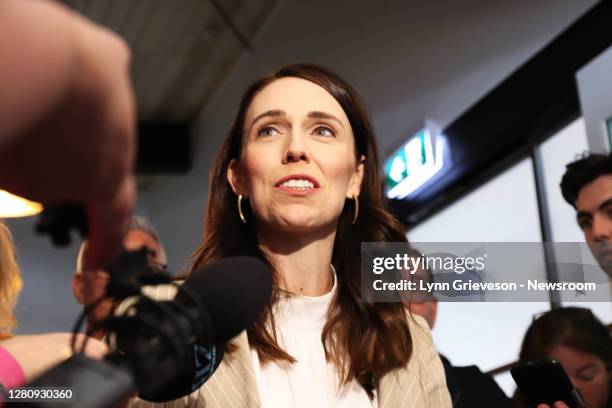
<point x="582" y="172"/>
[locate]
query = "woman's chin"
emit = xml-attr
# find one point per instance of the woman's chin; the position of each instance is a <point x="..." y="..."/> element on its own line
<point x="296" y="223"/>
<point x="299" y="226"/>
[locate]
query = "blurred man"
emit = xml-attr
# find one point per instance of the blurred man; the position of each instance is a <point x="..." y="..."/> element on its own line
<point x="468" y="386"/>
<point x="587" y="186"/>
<point x="89" y="285"/>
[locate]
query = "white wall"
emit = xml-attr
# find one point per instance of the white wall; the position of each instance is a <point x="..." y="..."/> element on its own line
<point x="593" y="82"/>
<point x="46" y="302"/>
<point x="564" y="147"/>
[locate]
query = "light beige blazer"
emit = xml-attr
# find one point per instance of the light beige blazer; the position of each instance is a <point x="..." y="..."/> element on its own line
<point x="420" y="384"/>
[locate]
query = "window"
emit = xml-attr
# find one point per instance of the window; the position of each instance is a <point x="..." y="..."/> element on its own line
<point x="503" y="210"/>
<point x="562" y="148"/>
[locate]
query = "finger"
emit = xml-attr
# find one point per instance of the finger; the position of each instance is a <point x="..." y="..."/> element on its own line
<point x="108" y="222"/>
<point x="560" y="404"/>
<point x="96" y="349"/>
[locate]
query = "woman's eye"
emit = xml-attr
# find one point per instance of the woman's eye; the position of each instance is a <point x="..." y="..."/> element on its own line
<point x="267" y="131"/>
<point x="586" y="377"/>
<point x="324" y="131"/>
<point x="588" y="374"/>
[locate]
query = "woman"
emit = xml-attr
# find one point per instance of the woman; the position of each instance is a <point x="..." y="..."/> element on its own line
<point x="296" y="184"/>
<point x="581" y="343"/>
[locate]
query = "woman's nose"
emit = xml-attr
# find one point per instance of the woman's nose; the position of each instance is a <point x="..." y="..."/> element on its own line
<point x="295" y="150"/>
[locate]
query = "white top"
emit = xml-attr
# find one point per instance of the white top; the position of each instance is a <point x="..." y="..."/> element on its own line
<point x="311" y="381"/>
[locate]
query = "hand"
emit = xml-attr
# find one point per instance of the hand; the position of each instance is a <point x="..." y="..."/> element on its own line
<point x="68" y="133"/>
<point x="557" y="404"/>
<point x="38" y="353"/>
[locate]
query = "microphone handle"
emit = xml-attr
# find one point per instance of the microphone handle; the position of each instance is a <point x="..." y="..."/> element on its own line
<point x="93" y="383"/>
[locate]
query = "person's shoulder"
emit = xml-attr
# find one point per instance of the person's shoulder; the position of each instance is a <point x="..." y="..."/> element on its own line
<point x="419" y="329"/>
<point x="423" y="374"/>
<point x="476" y="388"/>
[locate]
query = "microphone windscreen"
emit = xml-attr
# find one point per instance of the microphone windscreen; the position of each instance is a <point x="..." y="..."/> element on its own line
<point x="200" y="366"/>
<point x="234" y="291"/>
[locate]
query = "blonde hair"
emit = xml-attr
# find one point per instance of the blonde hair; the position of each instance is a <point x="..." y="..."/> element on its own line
<point x="10" y="282"/>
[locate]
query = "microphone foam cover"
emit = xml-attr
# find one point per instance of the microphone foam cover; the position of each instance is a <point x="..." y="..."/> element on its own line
<point x="234" y="291"/>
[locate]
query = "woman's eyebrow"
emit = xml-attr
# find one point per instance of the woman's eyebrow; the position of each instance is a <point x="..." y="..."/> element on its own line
<point x="270" y="113"/>
<point x="324" y="115"/>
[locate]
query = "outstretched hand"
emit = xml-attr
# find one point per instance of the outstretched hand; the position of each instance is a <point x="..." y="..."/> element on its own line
<point x="68" y="117"/>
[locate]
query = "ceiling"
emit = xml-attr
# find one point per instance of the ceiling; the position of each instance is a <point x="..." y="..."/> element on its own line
<point x="182" y="50"/>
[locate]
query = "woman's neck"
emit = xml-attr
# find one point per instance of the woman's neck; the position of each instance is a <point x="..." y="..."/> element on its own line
<point x="303" y="260"/>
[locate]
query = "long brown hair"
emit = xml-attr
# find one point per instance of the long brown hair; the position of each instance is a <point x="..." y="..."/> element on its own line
<point x="363" y="340"/>
<point x="573" y="327"/>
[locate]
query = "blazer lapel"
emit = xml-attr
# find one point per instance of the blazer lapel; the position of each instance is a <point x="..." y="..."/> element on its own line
<point x="233" y="385"/>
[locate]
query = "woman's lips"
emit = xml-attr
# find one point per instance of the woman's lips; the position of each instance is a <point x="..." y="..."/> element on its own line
<point x="297" y="184"/>
<point x="297" y="191"/>
<point x="305" y="177"/>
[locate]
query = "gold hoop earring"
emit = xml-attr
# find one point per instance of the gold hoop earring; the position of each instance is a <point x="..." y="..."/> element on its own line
<point x="240" y="213"/>
<point x="356" y="209"/>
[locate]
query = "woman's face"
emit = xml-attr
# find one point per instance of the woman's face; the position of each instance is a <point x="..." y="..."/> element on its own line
<point x="298" y="163"/>
<point x="587" y="372"/>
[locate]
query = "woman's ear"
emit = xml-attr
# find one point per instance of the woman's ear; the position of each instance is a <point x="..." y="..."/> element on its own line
<point x="232" y="176"/>
<point x="357" y="179"/>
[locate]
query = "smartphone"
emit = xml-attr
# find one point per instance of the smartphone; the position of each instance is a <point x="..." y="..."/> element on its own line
<point x="546" y="382"/>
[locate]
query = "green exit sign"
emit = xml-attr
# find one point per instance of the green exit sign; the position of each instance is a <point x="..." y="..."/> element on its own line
<point x="413" y="164"/>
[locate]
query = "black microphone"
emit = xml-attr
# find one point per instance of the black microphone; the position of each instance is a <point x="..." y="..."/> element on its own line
<point x="228" y="296"/>
<point x="169" y="348"/>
